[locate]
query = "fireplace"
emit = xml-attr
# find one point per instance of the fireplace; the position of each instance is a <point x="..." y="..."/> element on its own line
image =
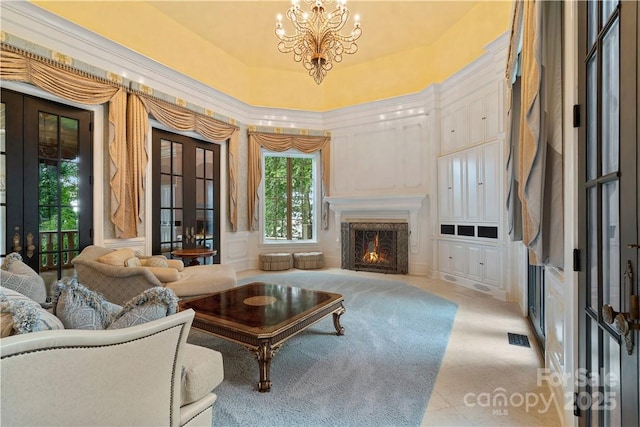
<point x="381" y="247"/>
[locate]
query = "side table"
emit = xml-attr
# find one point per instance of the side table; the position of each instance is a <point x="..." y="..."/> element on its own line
<point x="192" y="255"/>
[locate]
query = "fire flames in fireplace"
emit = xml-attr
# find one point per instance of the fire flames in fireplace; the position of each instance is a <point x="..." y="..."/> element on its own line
<point x="372" y="254"/>
<point x="375" y="246"/>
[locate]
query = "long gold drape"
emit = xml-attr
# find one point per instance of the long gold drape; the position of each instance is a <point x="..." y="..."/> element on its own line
<point x="128" y="125"/>
<point x="279" y="143"/>
<point x="74" y="86"/>
<point x="182" y="119"/>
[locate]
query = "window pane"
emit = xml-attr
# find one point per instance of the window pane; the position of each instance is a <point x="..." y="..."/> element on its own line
<point x="199" y="163"/>
<point x="611" y="383"/>
<point x="176" y="158"/>
<point x="48" y="184"/>
<point x="48" y="135"/>
<point x="165" y="156"/>
<point x="69" y="138"/>
<point x="608" y="6"/>
<point x="592" y="241"/>
<point x="610" y="99"/>
<point x="177" y="191"/>
<point x="209" y="165"/>
<point x="593" y="22"/>
<point x="592" y="122"/>
<point x="611" y="244"/>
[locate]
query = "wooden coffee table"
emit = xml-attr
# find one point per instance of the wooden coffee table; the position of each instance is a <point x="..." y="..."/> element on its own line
<point x="262" y="316"/>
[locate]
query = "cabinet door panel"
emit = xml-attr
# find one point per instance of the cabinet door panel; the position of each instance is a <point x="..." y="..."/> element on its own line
<point x="474" y="184"/>
<point x="490" y="183"/>
<point x="445" y="189"/>
<point x="474" y="262"/>
<point x="444" y="257"/>
<point x="459" y="259"/>
<point x="492" y="268"/>
<point x="477" y="121"/>
<point x="458" y="179"/>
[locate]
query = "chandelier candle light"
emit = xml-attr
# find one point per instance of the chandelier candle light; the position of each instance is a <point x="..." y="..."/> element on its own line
<point x="317" y="41"/>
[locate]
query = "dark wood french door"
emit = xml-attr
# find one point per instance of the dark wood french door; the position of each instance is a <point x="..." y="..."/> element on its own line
<point x="186" y="194"/>
<point x="48" y="210"/>
<point x="608" y="380"/>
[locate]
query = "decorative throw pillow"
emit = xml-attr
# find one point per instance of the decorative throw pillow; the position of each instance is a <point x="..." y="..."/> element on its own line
<point x="80" y="308"/>
<point x="154" y="303"/>
<point x="26" y="314"/>
<point x="133" y="262"/>
<point x="118" y="257"/>
<point x="155" y="261"/>
<point x="20" y="277"/>
<point x="165" y="274"/>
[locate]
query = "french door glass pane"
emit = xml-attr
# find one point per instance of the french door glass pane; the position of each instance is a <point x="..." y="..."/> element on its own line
<point x="200" y="164"/>
<point x="209" y="165"/>
<point x="593" y="365"/>
<point x="593" y="22"/>
<point x="165" y="156"/>
<point x="608" y="6"/>
<point x="176" y="157"/>
<point x="610" y="99"/>
<point x="611" y="244"/>
<point x="200" y="193"/>
<point x="69" y="138"/>
<point x="178" y="194"/>
<point x="611" y="382"/>
<point x="592" y="241"/>
<point x="592" y="123"/>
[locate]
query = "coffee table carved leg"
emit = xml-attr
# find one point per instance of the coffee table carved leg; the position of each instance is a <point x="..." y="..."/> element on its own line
<point x="264" y="353"/>
<point x="336" y="320"/>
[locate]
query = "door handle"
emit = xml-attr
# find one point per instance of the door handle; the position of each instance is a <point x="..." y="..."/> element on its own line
<point x="30" y="245"/>
<point x="16" y="240"/>
<point x="633" y="246"/>
<point x="625" y="322"/>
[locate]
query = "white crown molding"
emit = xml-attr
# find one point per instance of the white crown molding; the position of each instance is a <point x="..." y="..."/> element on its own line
<point x="45" y="29"/>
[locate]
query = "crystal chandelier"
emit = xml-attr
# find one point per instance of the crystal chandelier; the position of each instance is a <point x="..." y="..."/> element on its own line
<point x="317" y="42"/>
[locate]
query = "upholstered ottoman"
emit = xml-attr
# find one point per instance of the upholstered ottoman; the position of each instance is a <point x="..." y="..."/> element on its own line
<point x="308" y="260"/>
<point x="275" y="261"/>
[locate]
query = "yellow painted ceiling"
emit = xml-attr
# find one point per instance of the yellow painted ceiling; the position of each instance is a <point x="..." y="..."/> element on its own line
<point x="230" y="45"/>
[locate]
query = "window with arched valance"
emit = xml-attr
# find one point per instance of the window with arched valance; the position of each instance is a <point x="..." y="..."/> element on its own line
<point x="283" y="142"/>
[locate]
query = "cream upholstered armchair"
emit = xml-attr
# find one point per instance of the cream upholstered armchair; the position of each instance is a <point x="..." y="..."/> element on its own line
<point x="119" y="275"/>
<point x="132" y="376"/>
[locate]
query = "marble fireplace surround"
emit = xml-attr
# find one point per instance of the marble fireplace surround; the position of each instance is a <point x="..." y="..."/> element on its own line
<point x="379" y="209"/>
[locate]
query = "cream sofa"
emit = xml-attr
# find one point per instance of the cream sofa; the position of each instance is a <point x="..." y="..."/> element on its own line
<point x="119" y="283"/>
<point x="145" y="375"/>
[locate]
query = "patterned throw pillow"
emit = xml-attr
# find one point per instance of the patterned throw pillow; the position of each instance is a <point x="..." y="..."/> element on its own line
<point x="79" y="307"/>
<point x="118" y="257"/>
<point x="156" y="261"/>
<point x="154" y="303"/>
<point x="18" y="276"/>
<point x="26" y="314"/>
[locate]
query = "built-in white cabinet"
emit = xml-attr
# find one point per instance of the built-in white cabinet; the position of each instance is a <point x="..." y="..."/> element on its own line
<point x="455" y="127"/>
<point x="473" y="120"/>
<point x="473" y="262"/>
<point x="468" y="185"/>
<point x="483" y="264"/>
<point x="484" y="111"/>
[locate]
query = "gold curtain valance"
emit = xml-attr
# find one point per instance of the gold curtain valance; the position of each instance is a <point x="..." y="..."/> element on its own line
<point x="279" y="143"/>
<point x="75" y="86"/>
<point x="128" y="124"/>
<point x="182" y="119"/>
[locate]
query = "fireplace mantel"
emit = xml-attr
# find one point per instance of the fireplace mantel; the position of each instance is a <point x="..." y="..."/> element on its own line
<point x="380" y="207"/>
